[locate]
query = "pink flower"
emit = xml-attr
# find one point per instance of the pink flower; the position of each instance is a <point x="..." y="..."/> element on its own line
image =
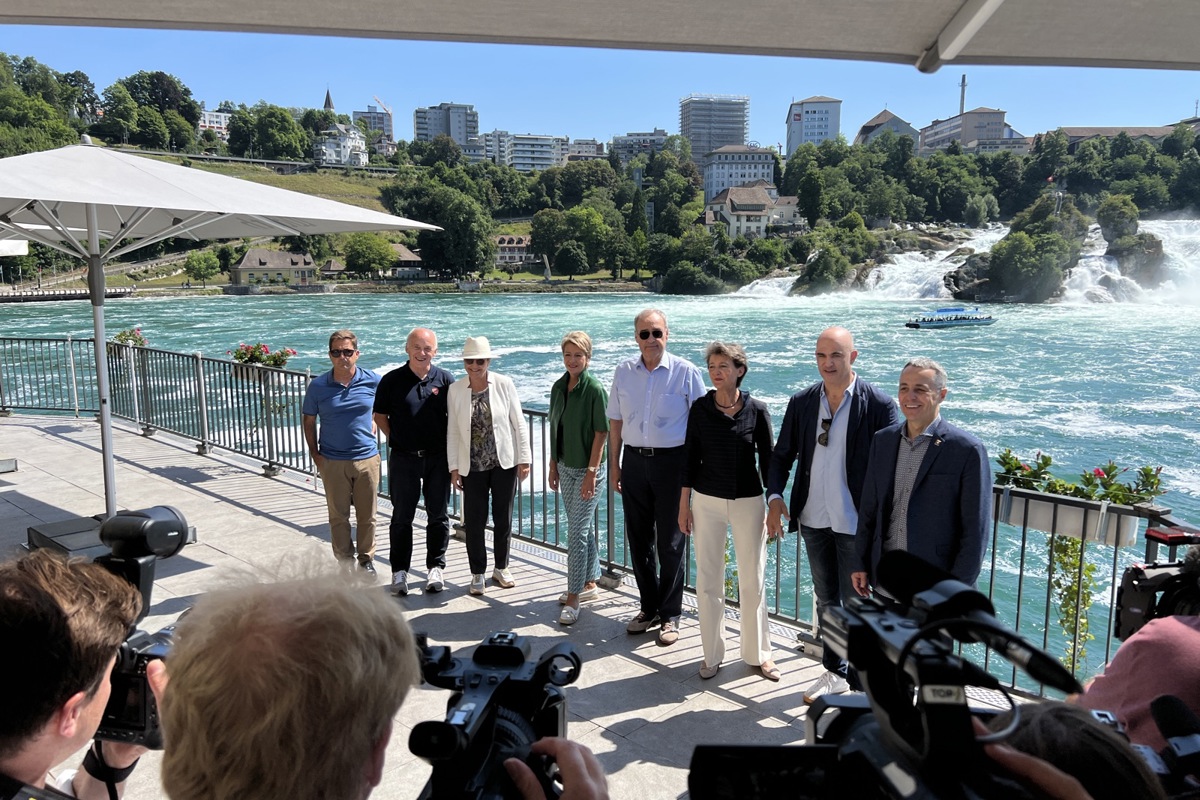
<point x="1099" y="473"/>
<point x="265" y="349"/>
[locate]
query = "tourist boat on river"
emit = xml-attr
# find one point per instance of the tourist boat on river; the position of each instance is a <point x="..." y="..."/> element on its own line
<point x="954" y="317"/>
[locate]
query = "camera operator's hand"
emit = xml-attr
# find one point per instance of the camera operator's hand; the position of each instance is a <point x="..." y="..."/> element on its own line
<point x="117" y="755"/>
<point x="776" y="514"/>
<point x="1042" y="776"/>
<point x="582" y="776"/>
<point x="861" y="585"/>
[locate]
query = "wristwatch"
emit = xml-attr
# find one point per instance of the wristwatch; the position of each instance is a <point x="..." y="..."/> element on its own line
<point x="592" y="469"/>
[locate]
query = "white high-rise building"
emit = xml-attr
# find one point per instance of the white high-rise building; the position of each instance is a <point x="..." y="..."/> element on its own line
<point x="457" y="120"/>
<point x="710" y="121"/>
<point x="526" y="152"/>
<point x="813" y="120"/>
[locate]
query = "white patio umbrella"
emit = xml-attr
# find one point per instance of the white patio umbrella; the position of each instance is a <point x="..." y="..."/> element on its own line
<point x="74" y="197"/>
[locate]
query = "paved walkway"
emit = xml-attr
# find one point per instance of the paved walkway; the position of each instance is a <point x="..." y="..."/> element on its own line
<point x="640" y="707"/>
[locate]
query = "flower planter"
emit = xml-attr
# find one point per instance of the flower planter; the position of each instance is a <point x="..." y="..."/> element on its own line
<point x="1078" y="522"/>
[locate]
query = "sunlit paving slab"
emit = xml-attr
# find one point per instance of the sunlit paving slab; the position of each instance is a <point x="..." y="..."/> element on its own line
<point x="640" y="707"/>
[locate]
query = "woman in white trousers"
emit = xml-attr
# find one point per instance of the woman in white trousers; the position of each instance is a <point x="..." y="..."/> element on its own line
<point x="728" y="450"/>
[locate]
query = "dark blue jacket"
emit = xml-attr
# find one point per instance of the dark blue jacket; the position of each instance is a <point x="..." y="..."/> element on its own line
<point x="870" y="411"/>
<point x="950" y="509"/>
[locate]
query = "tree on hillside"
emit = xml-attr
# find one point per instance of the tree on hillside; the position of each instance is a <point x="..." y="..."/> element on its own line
<point x="548" y="232"/>
<point x="466" y="244"/>
<point x="316" y="120"/>
<point x="587" y="227"/>
<point x="797" y="165"/>
<point x="201" y="265"/>
<point x="442" y="150"/>
<point x="28" y="124"/>
<point x="321" y="247"/>
<point x="580" y="177"/>
<point x="368" y="253"/>
<point x="182" y="136"/>
<point x="152" y="130"/>
<point x="164" y="93"/>
<point x="571" y="260"/>
<point x="810" y="195"/>
<point x="120" y="114"/>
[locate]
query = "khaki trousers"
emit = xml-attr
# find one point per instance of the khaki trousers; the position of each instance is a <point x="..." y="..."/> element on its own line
<point x="352" y="483"/>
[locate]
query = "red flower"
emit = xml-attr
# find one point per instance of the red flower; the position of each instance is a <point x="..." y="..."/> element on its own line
<point x="1099" y="473"/>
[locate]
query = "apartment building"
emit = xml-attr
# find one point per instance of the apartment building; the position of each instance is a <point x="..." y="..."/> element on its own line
<point x="711" y="121"/>
<point x="736" y="165"/>
<point x="377" y="120"/>
<point x="526" y="152"/>
<point x="457" y="120"/>
<point x="216" y="121"/>
<point x="635" y="143"/>
<point x="965" y="128"/>
<point x="813" y="120"/>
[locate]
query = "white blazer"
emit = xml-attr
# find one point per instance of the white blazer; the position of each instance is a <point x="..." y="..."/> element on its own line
<point x="508" y="424"/>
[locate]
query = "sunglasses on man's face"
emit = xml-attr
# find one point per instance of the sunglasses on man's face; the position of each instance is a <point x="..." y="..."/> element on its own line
<point x="479" y="361"/>
<point x="823" y="437"/>
<point x="644" y="335"/>
<point x="346" y="353"/>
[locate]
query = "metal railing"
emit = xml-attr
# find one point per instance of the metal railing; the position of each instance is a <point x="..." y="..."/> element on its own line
<point x="254" y="411"/>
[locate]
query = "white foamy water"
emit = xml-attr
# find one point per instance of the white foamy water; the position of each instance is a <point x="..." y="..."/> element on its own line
<point x="920" y="275"/>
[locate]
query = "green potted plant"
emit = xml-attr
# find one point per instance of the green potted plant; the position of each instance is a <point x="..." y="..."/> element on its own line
<point x="118" y="346"/>
<point x="1101" y="486"/>
<point x="248" y="356"/>
<point x="1072" y="577"/>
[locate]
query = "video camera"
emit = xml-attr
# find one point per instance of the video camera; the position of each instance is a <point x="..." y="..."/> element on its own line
<point x="1139" y="600"/>
<point x="502" y="702"/>
<point x="911" y="736"/>
<point x="137" y="540"/>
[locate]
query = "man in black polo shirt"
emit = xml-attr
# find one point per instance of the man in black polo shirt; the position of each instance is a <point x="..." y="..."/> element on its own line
<point x="410" y="409"/>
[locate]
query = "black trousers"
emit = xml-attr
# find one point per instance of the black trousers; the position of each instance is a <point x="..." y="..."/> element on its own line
<point x="501" y="485"/>
<point x="650" y="487"/>
<point x="408" y="475"/>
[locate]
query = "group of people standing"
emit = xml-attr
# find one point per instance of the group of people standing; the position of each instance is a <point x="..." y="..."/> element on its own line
<point x="871" y="476"/>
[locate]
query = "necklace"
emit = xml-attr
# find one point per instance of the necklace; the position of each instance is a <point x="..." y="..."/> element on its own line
<point x="736" y="398"/>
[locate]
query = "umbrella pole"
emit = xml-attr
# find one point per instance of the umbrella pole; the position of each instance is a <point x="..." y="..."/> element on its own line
<point x="96" y="291"/>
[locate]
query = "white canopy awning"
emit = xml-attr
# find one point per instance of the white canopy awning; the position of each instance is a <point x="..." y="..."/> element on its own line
<point x="1158" y="34"/>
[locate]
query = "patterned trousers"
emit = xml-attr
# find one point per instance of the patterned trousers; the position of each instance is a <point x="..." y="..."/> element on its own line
<point x="583" y="548"/>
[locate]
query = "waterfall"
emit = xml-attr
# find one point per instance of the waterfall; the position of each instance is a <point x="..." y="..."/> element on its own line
<point x="1097" y="278"/>
<point x="769" y="287"/>
<point x="919" y="275"/>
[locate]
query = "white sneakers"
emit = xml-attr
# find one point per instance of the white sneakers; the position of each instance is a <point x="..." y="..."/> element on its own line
<point x="476" y="584"/>
<point x="587" y="595"/>
<point x="400" y="584"/>
<point x="434" y="583"/>
<point x="829" y="683"/>
<point x="568" y="616"/>
<point x="503" y="578"/>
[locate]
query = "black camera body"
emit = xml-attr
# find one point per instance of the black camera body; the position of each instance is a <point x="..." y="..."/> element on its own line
<point x="1150" y="591"/>
<point x="131" y="715"/>
<point x="911" y="735"/>
<point x="137" y="540"/>
<point x="502" y="702"/>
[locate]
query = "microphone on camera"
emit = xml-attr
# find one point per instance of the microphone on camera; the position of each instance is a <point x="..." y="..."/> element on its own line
<point x="1180" y="727"/>
<point x="941" y="597"/>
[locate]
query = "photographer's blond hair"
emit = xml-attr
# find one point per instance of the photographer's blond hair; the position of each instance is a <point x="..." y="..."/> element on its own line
<point x="284" y="690"/>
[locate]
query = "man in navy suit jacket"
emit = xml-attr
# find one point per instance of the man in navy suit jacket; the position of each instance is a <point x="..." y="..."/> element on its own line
<point x="827" y="431"/>
<point x="928" y="487"/>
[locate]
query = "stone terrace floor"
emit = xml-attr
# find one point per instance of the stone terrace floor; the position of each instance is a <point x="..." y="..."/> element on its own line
<point x="640" y="707"/>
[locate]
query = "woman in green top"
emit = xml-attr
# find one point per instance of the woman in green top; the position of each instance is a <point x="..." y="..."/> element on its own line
<point x="578" y="431"/>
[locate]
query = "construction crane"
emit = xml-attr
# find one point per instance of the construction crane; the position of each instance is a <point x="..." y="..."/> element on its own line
<point x="382" y="104"/>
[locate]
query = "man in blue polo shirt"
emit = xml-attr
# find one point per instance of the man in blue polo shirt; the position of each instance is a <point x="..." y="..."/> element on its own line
<point x="345" y="452"/>
<point x="648" y="412"/>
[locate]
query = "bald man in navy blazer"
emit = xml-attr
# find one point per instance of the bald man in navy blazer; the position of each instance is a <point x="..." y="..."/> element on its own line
<point x="928" y="488"/>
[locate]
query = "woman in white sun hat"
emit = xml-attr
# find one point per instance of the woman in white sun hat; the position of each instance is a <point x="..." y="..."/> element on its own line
<point x="487" y="449"/>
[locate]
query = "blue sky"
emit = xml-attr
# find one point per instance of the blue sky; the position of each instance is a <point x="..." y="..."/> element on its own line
<point x="586" y="93"/>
